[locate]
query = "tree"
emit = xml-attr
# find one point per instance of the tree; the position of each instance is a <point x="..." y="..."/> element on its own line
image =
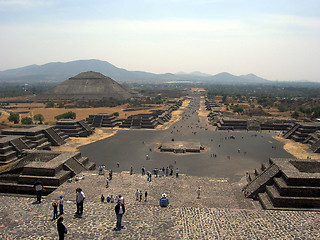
<point x="116" y="114"/>
<point x="26" y="120"/>
<point x="50" y="104"/>
<point x="14" y="117"/>
<point x="237" y="109"/>
<point x="39" y="117"/>
<point x="67" y="115"/>
<point x="295" y="115"/>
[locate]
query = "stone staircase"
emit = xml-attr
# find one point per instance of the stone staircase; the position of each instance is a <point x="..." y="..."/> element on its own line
<point x="97" y="120"/>
<point x="291" y="131"/>
<point x="54" y="137"/>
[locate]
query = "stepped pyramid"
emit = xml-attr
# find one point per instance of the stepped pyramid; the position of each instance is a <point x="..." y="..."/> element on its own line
<point x="87" y="86"/>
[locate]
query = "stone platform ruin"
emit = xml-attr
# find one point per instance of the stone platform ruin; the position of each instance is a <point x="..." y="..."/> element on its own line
<point x="181" y="147"/>
<point x="51" y="167"/>
<point x="103" y="120"/>
<point x="38" y="136"/>
<point x="74" y="127"/>
<point x="287" y="184"/>
<point x="306" y="133"/>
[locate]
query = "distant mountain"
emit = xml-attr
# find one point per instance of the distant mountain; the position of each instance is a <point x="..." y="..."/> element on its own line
<point x="228" y="78"/>
<point x="59" y="72"/>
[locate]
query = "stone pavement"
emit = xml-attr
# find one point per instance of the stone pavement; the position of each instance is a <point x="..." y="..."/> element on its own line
<point x="220" y="213"/>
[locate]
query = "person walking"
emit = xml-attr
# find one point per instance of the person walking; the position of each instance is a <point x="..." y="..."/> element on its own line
<point x="143" y="170"/>
<point x="145" y="196"/>
<point x="198" y="192"/>
<point x="61" y="205"/>
<point x="55" y="210"/>
<point x="140" y="194"/>
<point x="62" y="230"/>
<point x="38" y="185"/>
<point x="137" y="195"/>
<point x="80" y="197"/>
<point x="107" y="182"/>
<point x="110" y="175"/>
<point x="177" y="173"/>
<point x="120" y="210"/>
<point x="131" y="170"/>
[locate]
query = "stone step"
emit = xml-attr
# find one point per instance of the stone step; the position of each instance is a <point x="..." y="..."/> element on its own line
<point x="292" y="202"/>
<point x="5" y="149"/>
<point x="23" y="188"/>
<point x="7" y="156"/>
<point x="58" y="179"/>
<point x="292" y="191"/>
<point x="44" y="146"/>
<point x="265" y="201"/>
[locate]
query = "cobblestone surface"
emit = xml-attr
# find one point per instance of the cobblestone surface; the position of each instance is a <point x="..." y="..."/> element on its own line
<point x="220" y="213"/>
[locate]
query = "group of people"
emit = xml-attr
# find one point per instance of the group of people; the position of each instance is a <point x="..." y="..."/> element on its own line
<point x="165" y="172"/>
<point x="139" y="195"/>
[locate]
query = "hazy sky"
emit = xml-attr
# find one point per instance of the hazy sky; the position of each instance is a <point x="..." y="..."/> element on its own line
<point x="274" y="39"/>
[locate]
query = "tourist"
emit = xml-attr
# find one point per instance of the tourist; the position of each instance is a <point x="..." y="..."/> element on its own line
<point x="110" y="175"/>
<point x="137" y="195"/>
<point x="171" y="171"/>
<point x="61" y="205"/>
<point x="140" y="194"/>
<point x="116" y="199"/>
<point x="107" y="182"/>
<point x="164" y="201"/>
<point x="120" y="210"/>
<point x="111" y="199"/>
<point x="102" y="198"/>
<point x="55" y="210"/>
<point x="38" y="185"/>
<point x="177" y="173"/>
<point x="62" y="230"/>
<point x="167" y="171"/>
<point x="160" y="172"/>
<point x="198" y="192"/>
<point x="80" y="197"/>
<point x="143" y="170"/>
<point x="118" y="164"/>
<point x="108" y="198"/>
<point x="121" y="199"/>
<point x="150" y="176"/>
<point x="131" y="170"/>
<point x="145" y="196"/>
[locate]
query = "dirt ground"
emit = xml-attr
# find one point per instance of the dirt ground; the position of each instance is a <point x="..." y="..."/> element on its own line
<point x="299" y="150"/>
<point x="31" y="109"/>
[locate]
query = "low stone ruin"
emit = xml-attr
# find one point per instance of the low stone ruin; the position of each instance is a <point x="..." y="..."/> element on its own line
<point x="38" y="136"/>
<point x="74" y="127"/>
<point x="103" y="120"/>
<point x="181" y="147"/>
<point x="286" y="184"/>
<point x="305" y="132"/>
<point x="50" y="167"/>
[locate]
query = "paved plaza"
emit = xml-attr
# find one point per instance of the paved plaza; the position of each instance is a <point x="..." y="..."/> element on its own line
<point x="221" y="212"/>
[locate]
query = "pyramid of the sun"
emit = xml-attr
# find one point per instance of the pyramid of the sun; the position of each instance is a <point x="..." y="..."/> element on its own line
<point x="87" y="86"/>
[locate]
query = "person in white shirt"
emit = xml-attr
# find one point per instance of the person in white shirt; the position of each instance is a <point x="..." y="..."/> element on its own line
<point x="79" y="199"/>
<point x="121" y="199"/>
